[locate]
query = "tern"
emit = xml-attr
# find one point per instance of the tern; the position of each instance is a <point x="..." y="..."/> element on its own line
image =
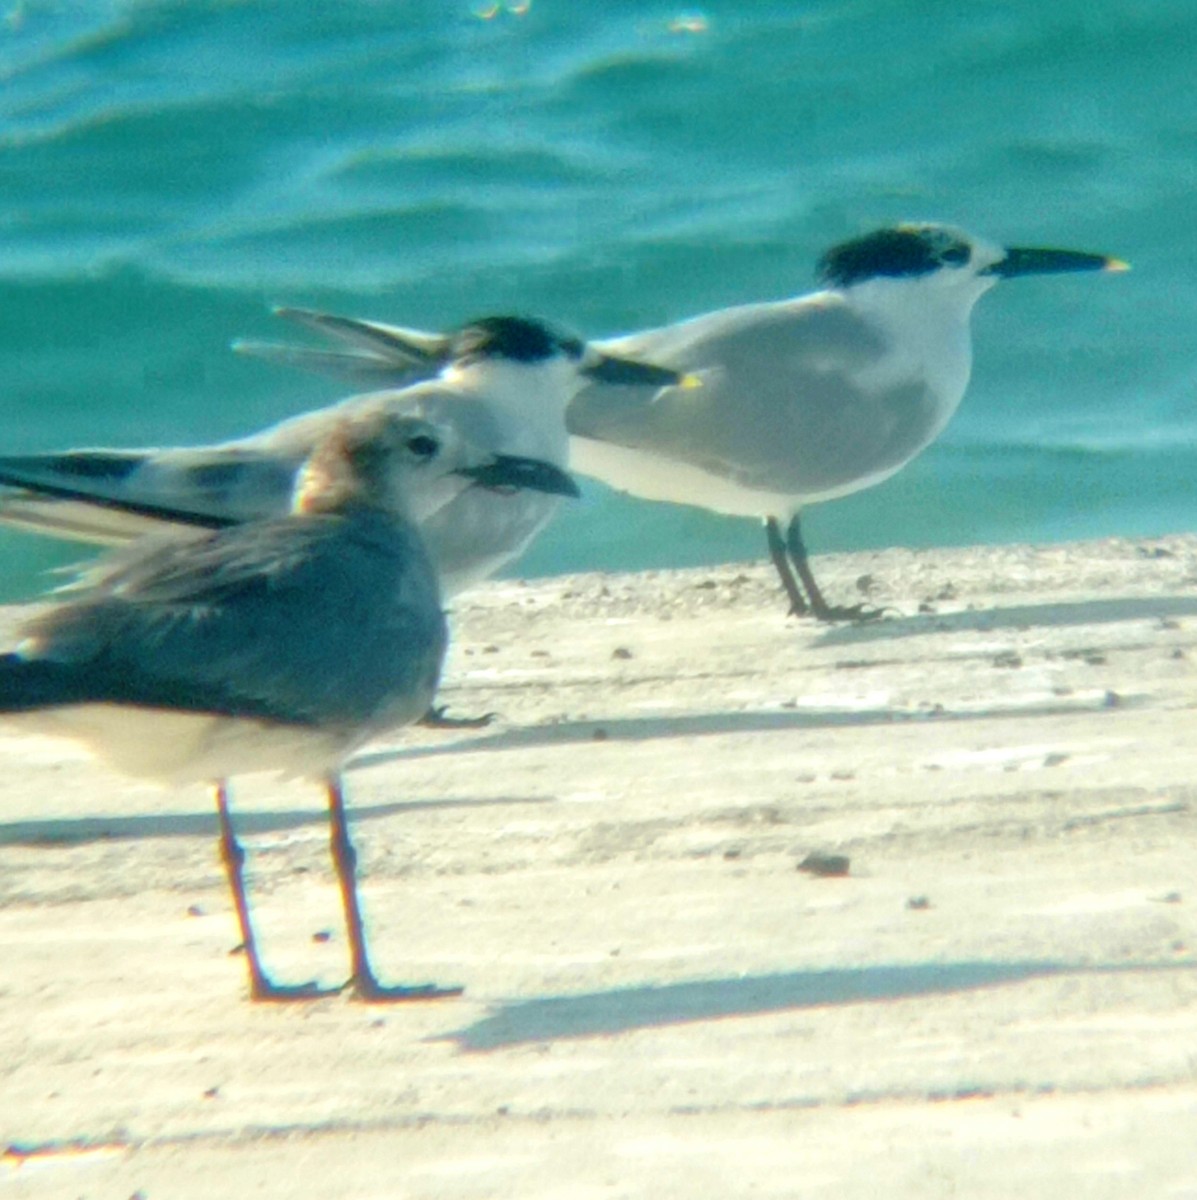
<point x="802" y="400"/>
<point x="501" y="382"/>
<point x="275" y="645"/>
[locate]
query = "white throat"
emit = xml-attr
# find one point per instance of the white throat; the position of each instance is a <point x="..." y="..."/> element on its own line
<point x="527" y="399"/>
<point x="925" y="321"/>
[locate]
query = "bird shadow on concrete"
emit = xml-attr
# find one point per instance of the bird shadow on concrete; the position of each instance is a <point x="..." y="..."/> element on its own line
<point x="71" y="831"/>
<point x="1017" y="616"/>
<point x="712" y="724"/>
<point x="622" y="1010"/>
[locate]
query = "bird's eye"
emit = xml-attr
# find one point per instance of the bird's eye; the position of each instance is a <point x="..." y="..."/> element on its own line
<point x="954" y="255"/>
<point x="423" y="446"/>
<point x="573" y="347"/>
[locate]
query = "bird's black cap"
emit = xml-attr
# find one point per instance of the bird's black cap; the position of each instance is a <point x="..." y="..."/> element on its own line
<point x="903" y="251"/>
<point x="519" y="339"/>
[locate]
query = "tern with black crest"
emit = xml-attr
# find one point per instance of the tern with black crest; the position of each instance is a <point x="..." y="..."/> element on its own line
<point x="802" y="400"/>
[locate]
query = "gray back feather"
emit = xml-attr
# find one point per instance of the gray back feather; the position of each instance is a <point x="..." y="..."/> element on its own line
<point x="327" y="621"/>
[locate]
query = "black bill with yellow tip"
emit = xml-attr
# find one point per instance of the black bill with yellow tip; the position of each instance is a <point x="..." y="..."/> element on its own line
<point x="1027" y="260"/>
<point x="511" y="472"/>
<point x="607" y="368"/>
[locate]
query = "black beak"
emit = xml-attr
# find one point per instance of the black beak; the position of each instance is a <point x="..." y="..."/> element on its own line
<point x="626" y="371"/>
<point x="532" y="474"/>
<point x="1023" y="260"/>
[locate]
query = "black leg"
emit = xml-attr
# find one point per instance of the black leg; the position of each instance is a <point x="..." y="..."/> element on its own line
<point x="437" y="717"/>
<point x="819" y="607"/>
<point x="777" y="552"/>
<point x="362" y="979"/>
<point x="261" y="986"/>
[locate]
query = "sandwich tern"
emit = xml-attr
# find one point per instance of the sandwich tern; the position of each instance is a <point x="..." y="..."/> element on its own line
<point x="277" y="645"/>
<point x="501" y="382"/>
<point x="803" y="400"/>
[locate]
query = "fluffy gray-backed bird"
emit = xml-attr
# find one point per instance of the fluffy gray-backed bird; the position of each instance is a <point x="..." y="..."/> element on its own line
<point x="278" y="645"/>
<point x="500" y="382"/>
<point x="803" y="400"/>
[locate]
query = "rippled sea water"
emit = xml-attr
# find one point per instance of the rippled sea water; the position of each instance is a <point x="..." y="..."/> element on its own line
<point x="170" y="170"/>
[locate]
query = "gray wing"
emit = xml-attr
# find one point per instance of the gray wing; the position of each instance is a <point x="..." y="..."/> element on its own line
<point x="112" y="496"/>
<point x="370" y="351"/>
<point x="370" y="370"/>
<point x="115" y="495"/>
<point x="303" y="621"/>
<point x="781" y="408"/>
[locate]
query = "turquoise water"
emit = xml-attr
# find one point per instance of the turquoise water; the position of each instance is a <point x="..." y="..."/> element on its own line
<point x="170" y="170"/>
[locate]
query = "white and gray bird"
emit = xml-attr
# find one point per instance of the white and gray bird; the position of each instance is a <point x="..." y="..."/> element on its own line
<point x="500" y="382"/>
<point x="277" y="645"/>
<point x="803" y="400"/>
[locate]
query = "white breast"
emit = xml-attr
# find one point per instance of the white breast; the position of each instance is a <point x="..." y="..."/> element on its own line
<point x="181" y="747"/>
